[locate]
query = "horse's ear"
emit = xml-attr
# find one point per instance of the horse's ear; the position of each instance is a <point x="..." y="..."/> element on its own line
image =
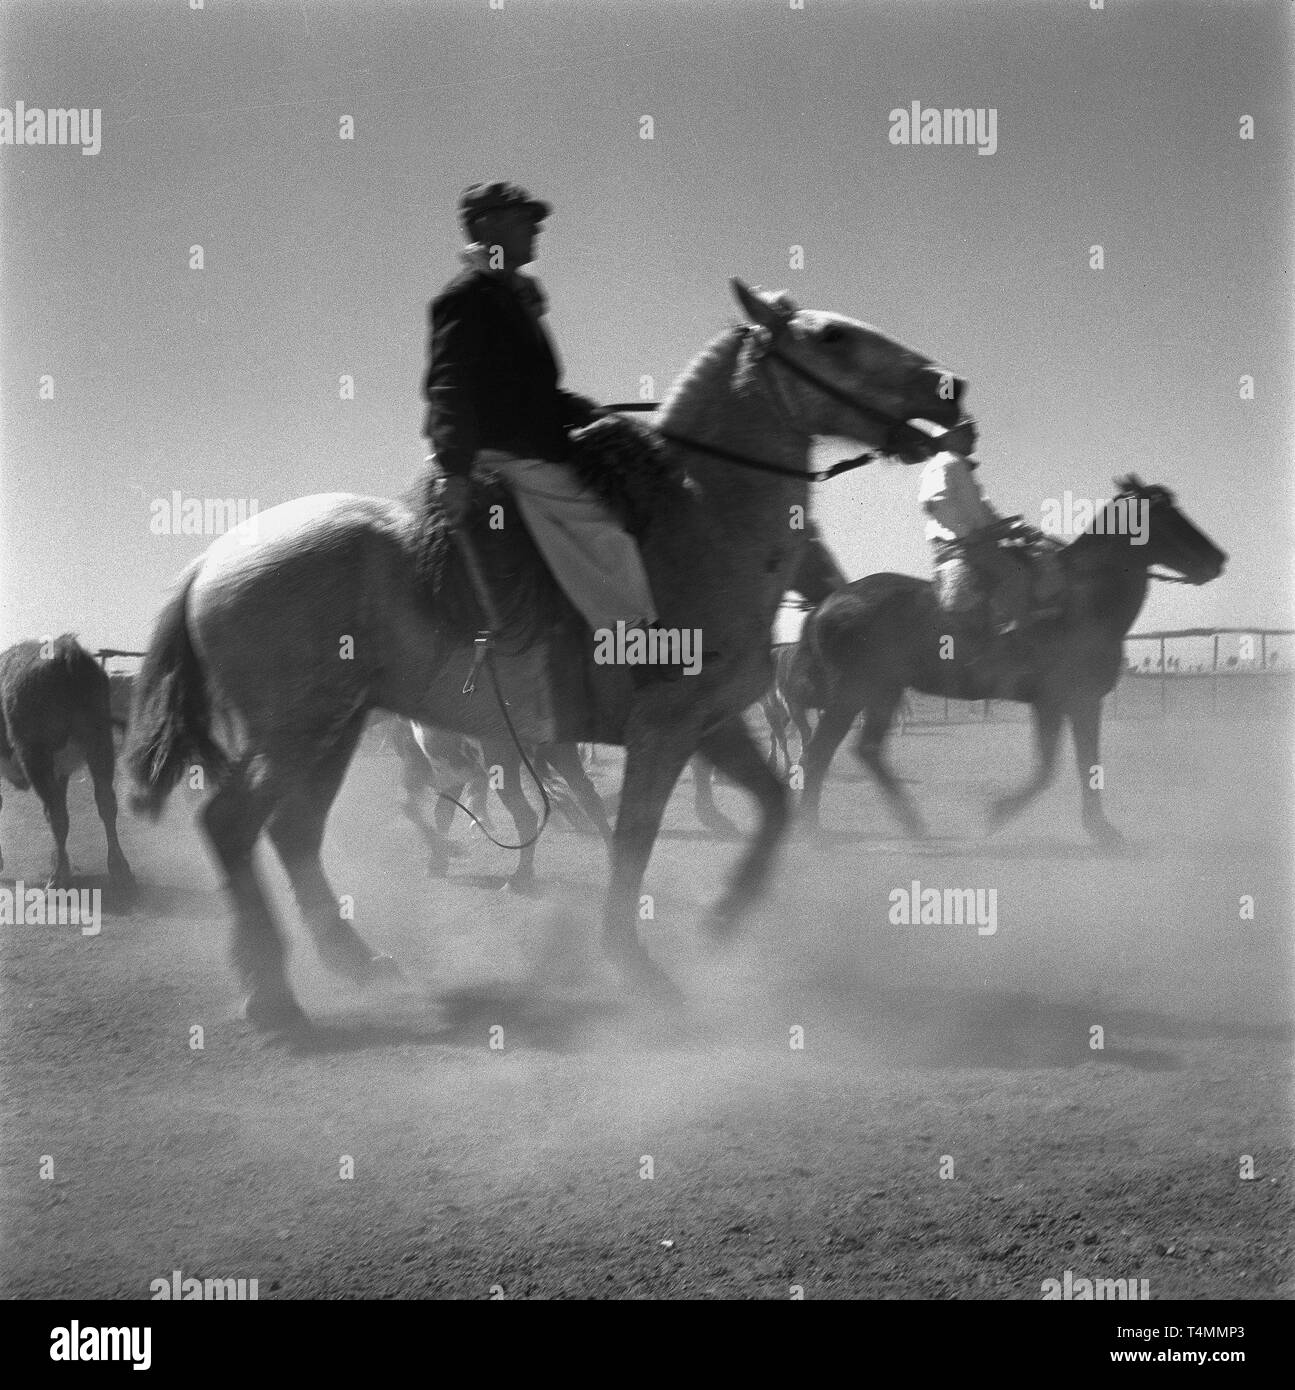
<point x="1130" y="483"/>
<point x="769" y="311"/>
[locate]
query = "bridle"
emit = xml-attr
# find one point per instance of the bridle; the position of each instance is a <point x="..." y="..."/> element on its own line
<point x="900" y="436"/>
<point x="1155" y="574"/>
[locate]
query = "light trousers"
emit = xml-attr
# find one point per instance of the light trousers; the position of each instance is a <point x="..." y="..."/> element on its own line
<point x="593" y="558"/>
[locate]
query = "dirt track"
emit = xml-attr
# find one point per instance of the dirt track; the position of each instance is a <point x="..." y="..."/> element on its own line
<point x="773" y="1167"/>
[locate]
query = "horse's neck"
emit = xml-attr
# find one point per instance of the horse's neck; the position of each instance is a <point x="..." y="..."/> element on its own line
<point x="716" y="402"/>
<point x="1112" y="585"/>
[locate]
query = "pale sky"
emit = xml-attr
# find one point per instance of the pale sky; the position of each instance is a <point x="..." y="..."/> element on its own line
<point x="220" y="129"/>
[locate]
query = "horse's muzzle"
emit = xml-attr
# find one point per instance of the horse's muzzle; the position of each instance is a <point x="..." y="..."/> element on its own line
<point x="942" y="393"/>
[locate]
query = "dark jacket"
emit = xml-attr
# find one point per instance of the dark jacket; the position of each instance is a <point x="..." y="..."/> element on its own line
<point x="492" y="377"/>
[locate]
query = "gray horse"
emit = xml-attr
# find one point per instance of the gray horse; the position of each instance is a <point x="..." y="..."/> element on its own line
<point x="296" y="629"/>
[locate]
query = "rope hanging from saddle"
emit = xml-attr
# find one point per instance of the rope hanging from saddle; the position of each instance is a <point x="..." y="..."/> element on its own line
<point x="483" y="655"/>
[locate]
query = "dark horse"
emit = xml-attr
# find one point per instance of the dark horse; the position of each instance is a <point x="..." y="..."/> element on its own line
<point x="57" y="713"/>
<point x="294" y="630"/>
<point x="883" y="634"/>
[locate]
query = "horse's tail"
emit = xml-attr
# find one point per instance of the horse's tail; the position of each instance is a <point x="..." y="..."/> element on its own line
<point x="170" y="718"/>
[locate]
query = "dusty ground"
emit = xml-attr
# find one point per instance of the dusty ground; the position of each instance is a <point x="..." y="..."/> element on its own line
<point x="772" y="1167"/>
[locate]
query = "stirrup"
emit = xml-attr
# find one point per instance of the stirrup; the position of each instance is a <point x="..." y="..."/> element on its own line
<point x="481" y="643"/>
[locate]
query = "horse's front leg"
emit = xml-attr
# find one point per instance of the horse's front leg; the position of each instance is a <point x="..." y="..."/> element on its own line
<point x="565" y="758"/>
<point x="732" y="749"/>
<point x="1047" y="735"/>
<point x="1085" y="724"/>
<point x="655" y="756"/>
<point x="707" y="812"/>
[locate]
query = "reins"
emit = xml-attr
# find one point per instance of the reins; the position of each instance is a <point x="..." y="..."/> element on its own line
<point x="816" y="475"/>
<point x="900" y="435"/>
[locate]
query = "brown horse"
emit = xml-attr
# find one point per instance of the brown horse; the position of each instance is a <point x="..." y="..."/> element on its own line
<point x="884" y="634"/>
<point x="56" y="714"/>
<point x="295" y="629"/>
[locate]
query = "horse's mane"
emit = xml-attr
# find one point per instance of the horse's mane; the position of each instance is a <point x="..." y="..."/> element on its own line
<point x="1127" y="488"/>
<point x="688" y="397"/>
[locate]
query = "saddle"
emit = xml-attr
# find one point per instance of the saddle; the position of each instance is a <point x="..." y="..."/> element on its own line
<point x="1008" y="566"/>
<point x="623" y="462"/>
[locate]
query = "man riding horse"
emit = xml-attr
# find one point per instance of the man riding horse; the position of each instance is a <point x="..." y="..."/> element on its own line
<point x="990" y="590"/>
<point x="494" y="399"/>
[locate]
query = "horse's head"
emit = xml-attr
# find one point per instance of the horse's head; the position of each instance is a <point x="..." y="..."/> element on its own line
<point x="832" y="375"/>
<point x="1151" y="518"/>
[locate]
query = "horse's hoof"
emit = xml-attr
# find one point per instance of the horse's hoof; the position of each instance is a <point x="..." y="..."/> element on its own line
<point x="274" y="1013"/>
<point x="121" y="881"/>
<point x="527" y="887"/>
<point x="1106" y="837"/>
<point x="641" y="976"/>
<point x="1000" y="812"/>
<point x="721" y="826"/>
<point x="383" y="969"/>
<point x="721" y="926"/>
<point x="354" y="960"/>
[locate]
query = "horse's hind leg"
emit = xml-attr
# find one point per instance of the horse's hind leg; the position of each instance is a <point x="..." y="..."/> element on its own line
<point x="101" y="760"/>
<point x="297" y="830"/>
<point x="870" y="749"/>
<point x="414" y="782"/>
<point x="52" y="790"/>
<point x="524" y="819"/>
<point x="799" y="720"/>
<point x="832" y="728"/>
<point x="233" y="819"/>
<point x="565" y="759"/>
<point x="703" y="790"/>
<point x="732" y="749"/>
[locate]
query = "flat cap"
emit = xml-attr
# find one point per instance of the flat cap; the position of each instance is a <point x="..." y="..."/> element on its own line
<point x="492" y="197"/>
